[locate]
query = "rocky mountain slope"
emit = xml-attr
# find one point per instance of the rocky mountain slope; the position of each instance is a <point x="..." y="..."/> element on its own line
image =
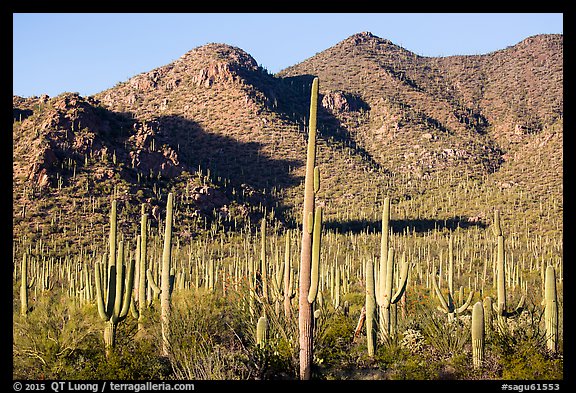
<point x="230" y="137"/>
<point x="479" y="105"/>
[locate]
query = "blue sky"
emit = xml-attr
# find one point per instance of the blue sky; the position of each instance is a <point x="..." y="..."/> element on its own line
<point x="90" y="52"/>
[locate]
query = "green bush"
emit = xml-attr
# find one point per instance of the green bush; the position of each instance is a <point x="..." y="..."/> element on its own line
<point x="53" y="337"/>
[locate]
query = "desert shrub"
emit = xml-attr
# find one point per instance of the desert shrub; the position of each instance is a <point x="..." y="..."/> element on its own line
<point x="131" y="359"/>
<point x="53" y="337"/>
<point x="521" y="348"/>
<point x="202" y="343"/>
<point x="214" y="338"/>
<point x="447" y="336"/>
<point x="400" y="363"/>
<point x="333" y="339"/>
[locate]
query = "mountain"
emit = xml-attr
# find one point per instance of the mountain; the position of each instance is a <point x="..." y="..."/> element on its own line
<point x="479" y="105"/>
<point x="230" y="138"/>
<point x="497" y="117"/>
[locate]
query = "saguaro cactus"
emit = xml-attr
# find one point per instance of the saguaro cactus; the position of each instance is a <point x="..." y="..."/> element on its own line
<point x="140" y="276"/>
<point x="24" y="286"/>
<point x="370" y="308"/>
<point x="310" y="252"/>
<point x="384" y="244"/>
<point x="488" y="310"/>
<point x="551" y="310"/>
<point x="289" y="292"/>
<point x="337" y="279"/>
<point x="500" y="308"/>
<point x="447" y="304"/>
<point x="261" y="331"/>
<point x="384" y="296"/>
<point x="477" y="335"/>
<point x="389" y="298"/>
<point x="167" y="280"/>
<point x="119" y="292"/>
<point x="263" y="265"/>
<point x="167" y="276"/>
<point x="277" y="281"/>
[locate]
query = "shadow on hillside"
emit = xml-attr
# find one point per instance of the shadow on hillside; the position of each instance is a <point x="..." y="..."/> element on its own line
<point x="248" y="171"/>
<point x="21" y="114"/>
<point x="295" y="104"/>
<point x="400" y="226"/>
<point x="240" y="162"/>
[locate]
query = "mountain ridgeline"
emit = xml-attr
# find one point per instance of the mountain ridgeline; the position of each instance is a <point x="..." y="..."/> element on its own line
<point x="229" y="139"/>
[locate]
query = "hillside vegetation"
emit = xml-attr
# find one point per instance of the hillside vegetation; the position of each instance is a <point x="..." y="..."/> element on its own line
<point x="450" y="140"/>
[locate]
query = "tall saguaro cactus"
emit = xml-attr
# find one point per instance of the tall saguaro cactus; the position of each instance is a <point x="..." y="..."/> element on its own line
<point x="500" y="307"/>
<point x="384" y="244"/>
<point x="551" y="310"/>
<point x="167" y="276"/>
<point x="370" y="308"/>
<point x="390" y="298"/>
<point x="385" y="298"/>
<point x="263" y="265"/>
<point x="165" y="285"/>
<point x="119" y="295"/>
<point x="288" y="293"/>
<point x="447" y="304"/>
<point x="120" y="284"/>
<point x="310" y="252"/>
<point x="142" y="260"/>
<point x="24" y="286"/>
<point x="140" y="275"/>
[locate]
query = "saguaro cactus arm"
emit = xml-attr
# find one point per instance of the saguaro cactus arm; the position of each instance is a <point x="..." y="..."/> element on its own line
<point x="466" y="304"/>
<point x="127" y="298"/>
<point x="120" y="285"/>
<point x="152" y="282"/>
<point x="403" y="280"/>
<point x="315" y="269"/>
<point x="99" y="292"/>
<point x="443" y="303"/>
<point x="447" y="304"/>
